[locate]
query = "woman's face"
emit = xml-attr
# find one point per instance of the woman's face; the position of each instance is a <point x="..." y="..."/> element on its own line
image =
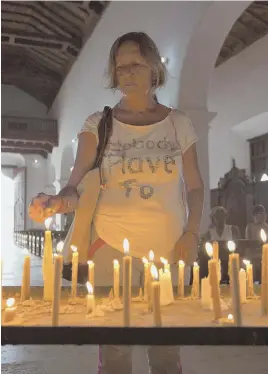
<point x="133" y="74"/>
<point x="219" y="218"/>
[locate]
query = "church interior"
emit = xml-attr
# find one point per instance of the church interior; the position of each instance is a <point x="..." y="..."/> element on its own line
<point x="54" y="62"/>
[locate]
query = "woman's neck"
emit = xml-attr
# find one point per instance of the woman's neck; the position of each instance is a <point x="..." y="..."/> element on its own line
<point x="137" y="103"/>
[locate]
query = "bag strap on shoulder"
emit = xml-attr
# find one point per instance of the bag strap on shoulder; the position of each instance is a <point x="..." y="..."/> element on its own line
<point x="104" y="133"/>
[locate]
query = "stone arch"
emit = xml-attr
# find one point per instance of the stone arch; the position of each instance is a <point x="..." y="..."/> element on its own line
<point x="203" y="50"/>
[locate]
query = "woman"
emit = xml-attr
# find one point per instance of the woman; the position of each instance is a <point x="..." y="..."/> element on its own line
<point x="150" y="169"/>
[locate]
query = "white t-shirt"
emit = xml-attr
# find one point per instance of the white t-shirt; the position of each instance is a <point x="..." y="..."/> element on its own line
<point x="144" y="199"/>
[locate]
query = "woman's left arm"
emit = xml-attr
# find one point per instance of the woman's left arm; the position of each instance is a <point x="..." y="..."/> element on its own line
<point x="194" y="189"/>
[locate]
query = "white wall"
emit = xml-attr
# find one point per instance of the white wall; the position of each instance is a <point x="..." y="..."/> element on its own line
<point x="239" y="92"/>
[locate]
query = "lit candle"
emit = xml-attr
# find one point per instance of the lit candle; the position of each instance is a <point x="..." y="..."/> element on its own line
<point x="231" y="248"/>
<point x="156" y="297"/>
<point x="166" y="288"/>
<point x="26" y="282"/>
<point x="165" y="263"/>
<point x="48" y="263"/>
<point x="151" y="261"/>
<point x="209" y="250"/>
<point x="215" y="246"/>
<point x="181" y="279"/>
<point x="116" y="278"/>
<point x="58" y="265"/>
<point x="264" y="275"/>
<point x="235" y="289"/>
<point x="91" y="273"/>
<point x="127" y="274"/>
<point x="243" y="285"/>
<point x="196" y="285"/>
<point x="249" y="270"/>
<point x="10" y="311"/>
<point x="215" y="290"/>
<point x="90" y="299"/>
<point x="146" y="278"/>
<point x="74" y="270"/>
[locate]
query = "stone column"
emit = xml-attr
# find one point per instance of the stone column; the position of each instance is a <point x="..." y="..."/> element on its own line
<point x="201" y="119"/>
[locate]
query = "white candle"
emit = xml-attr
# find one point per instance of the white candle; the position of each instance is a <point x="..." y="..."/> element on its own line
<point x="48" y="263"/>
<point x="181" y="279"/>
<point x="151" y="262"/>
<point x="166" y="289"/>
<point x="156" y="297"/>
<point x="249" y="270"/>
<point x="231" y="247"/>
<point x="165" y="263"/>
<point x="205" y="292"/>
<point x="243" y="285"/>
<point x="10" y="311"/>
<point x="235" y="289"/>
<point x="196" y="285"/>
<point x="209" y="250"/>
<point x="91" y="273"/>
<point x="146" y="278"/>
<point x="74" y="270"/>
<point x="58" y="265"/>
<point x="26" y="276"/>
<point x="264" y="275"/>
<point x="116" y="278"/>
<point x="127" y="276"/>
<point x="90" y="308"/>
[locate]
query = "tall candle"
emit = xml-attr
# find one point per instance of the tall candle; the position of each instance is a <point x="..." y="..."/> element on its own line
<point x="127" y="273"/>
<point x="90" y="307"/>
<point x="231" y="248"/>
<point x="146" y="278"/>
<point x="215" y="246"/>
<point x="181" y="279"/>
<point x="48" y="263"/>
<point x="116" y="278"/>
<point x="91" y="273"/>
<point x="151" y="262"/>
<point x="26" y="276"/>
<point x="156" y="297"/>
<point x="196" y="285"/>
<point x="243" y="285"/>
<point x="235" y="289"/>
<point x="10" y="310"/>
<point x="249" y="270"/>
<point x="215" y="290"/>
<point x="58" y="265"/>
<point x="264" y="275"/>
<point x="74" y="270"/>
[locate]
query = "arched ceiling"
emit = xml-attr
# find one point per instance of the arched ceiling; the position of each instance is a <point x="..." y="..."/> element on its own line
<point x="42" y="39"/>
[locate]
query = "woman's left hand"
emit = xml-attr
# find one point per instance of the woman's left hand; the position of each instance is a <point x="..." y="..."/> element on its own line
<point x="186" y="248"/>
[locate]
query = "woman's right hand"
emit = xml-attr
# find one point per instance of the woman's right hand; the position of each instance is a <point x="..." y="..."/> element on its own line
<point x="43" y="206"/>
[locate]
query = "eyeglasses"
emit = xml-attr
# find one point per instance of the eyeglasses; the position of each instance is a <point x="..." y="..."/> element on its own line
<point x="132" y="68"/>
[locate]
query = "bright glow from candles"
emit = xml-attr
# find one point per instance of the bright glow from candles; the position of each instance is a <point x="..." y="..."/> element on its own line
<point x="90" y="262"/>
<point x="263" y="236"/>
<point x="144" y="260"/>
<point x="60" y="247"/>
<point x="74" y="248"/>
<point x="246" y="262"/>
<point x="154" y="272"/>
<point x="181" y="263"/>
<point x="10" y="302"/>
<point x="151" y="256"/>
<point x="116" y="263"/>
<point x="89" y="288"/>
<point x="163" y="260"/>
<point x="126" y="246"/>
<point x="48" y="222"/>
<point x="231" y="246"/>
<point x="209" y="249"/>
<point x="230" y="317"/>
<point x="195" y="264"/>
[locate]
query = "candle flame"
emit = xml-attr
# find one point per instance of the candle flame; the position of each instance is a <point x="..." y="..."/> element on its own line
<point x="144" y="260"/>
<point x="10" y="302"/>
<point x="181" y="263"/>
<point x="116" y="263"/>
<point x="151" y="256"/>
<point x="209" y="249"/>
<point x="243" y="270"/>
<point x="126" y="246"/>
<point x="246" y="262"/>
<point x="48" y="222"/>
<point x="263" y="236"/>
<point x="195" y="264"/>
<point x="163" y="260"/>
<point x="89" y="288"/>
<point x="230" y="317"/>
<point x="60" y="246"/>
<point x="154" y="272"/>
<point x="231" y="246"/>
<point x="90" y="263"/>
<point x="74" y="248"/>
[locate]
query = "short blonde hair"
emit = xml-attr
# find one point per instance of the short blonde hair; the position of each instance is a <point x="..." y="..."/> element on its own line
<point x="149" y="52"/>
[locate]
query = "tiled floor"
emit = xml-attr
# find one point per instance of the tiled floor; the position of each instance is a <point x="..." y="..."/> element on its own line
<point x="83" y="360"/>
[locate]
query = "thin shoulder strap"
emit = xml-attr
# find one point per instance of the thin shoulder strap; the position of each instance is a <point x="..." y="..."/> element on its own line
<point x="104" y="133"/>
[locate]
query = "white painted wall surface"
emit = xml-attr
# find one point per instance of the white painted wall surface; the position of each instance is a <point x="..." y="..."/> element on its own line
<point x="239" y="93"/>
